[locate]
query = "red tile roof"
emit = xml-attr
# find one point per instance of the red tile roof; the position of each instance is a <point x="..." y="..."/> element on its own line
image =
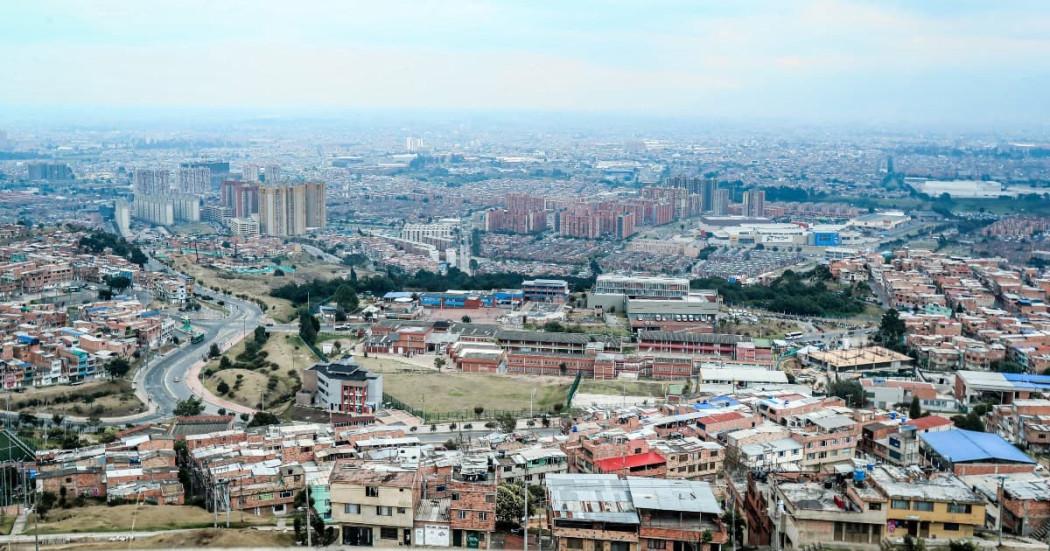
<point x="613" y="464"/>
<point x="720" y="417"/>
<point x="929" y="422"/>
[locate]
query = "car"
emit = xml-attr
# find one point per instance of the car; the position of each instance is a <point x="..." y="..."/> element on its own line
<point x="175" y="379"/>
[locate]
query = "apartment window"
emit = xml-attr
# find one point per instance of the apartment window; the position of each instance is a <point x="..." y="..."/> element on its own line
<point x="923" y="506"/>
<point x="490" y="498"/>
<point x="455" y="496"/>
<point x="384" y="511"/>
<point x="951" y="527"/>
<point x="400" y="510"/>
<point x="482" y="515"/>
<point x="388" y="533"/>
<point x="461" y="514"/>
<point x="657" y="544"/>
<point x="874" y="506"/>
<point x="573" y="543"/>
<point x="371" y="491"/>
<point x="899" y="504"/>
<point x="352" y="509"/>
<point x="619" y="546"/>
<point x="960" y="508"/>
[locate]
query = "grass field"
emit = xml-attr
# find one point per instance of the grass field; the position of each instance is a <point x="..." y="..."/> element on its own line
<point x="101" y="518"/>
<point x="257" y="287"/>
<point x="98" y="398"/>
<point x="7" y="522"/>
<point x="280" y="349"/>
<point x="448" y="391"/>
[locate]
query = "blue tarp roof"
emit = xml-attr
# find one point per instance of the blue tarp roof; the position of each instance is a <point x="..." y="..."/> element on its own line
<point x="960" y="446"/>
<point x="1029" y="380"/>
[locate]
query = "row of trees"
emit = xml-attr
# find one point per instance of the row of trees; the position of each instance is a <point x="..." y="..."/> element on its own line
<point x="803" y="294"/>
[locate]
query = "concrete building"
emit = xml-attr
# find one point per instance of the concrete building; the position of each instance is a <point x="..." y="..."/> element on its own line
<point x="344" y="386"/>
<point x="373" y="506"/>
<point x="122" y="216"/>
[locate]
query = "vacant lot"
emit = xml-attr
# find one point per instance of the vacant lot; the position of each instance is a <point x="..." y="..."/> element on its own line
<point x="259" y="286"/>
<point x="199" y="539"/>
<point x="289" y="354"/>
<point x="450" y="391"/>
<point x="100" y="518"/>
<point x="95" y="398"/>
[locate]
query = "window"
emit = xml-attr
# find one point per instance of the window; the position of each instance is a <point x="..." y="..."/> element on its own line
<point x="388" y="533"/>
<point x="899" y="504"/>
<point x="352" y="509"/>
<point x="371" y="491"/>
<point x="482" y="515"/>
<point x="923" y="506"/>
<point x="573" y="543"/>
<point x="951" y="527"/>
<point x="960" y="508"/>
<point x="874" y="506"/>
<point x="657" y="544"/>
<point x="455" y="496"/>
<point x="490" y="498"/>
<point x="400" y="510"/>
<point x="462" y="515"/>
<point x="384" y="511"/>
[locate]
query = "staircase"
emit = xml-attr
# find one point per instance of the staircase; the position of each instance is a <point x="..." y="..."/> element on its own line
<point x="1042" y="531"/>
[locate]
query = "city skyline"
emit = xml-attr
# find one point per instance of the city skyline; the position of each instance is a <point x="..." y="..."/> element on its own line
<point x="816" y="62"/>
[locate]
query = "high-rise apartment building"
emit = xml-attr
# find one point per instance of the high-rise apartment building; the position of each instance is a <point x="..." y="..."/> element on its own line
<point x="287" y="209"/>
<point x="122" y="216"/>
<point x="50" y="171"/>
<point x="272" y="174"/>
<point x="151" y="181"/>
<point x="707" y="195"/>
<point x="250" y="173"/>
<point x="220" y="170"/>
<point x="720" y="205"/>
<point x="316" y="210"/>
<point x="166" y="209"/>
<point x="196" y="181"/>
<point x="755" y="203"/>
<point x="242" y="198"/>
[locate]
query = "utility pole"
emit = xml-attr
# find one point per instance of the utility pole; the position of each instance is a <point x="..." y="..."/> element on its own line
<point x="309" y="508"/>
<point x="1002" y="481"/>
<point x="525" y="524"/>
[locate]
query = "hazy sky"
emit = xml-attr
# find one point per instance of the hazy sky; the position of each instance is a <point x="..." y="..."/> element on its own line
<point x="926" y="62"/>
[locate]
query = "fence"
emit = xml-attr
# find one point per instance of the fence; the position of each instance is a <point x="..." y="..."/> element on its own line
<point x="466" y="415"/>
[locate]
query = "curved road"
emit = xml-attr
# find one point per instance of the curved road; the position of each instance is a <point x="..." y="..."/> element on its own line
<point x="164" y="382"/>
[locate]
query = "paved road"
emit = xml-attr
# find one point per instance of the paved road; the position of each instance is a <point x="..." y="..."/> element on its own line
<point x="164" y="382"/>
<point x="321" y="254"/>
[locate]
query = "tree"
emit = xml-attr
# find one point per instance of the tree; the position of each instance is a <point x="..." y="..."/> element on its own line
<point x="278" y="272"/>
<point x="260" y="335"/>
<point x="510" y="502"/>
<point x="353" y="276"/>
<point x="117" y="283"/>
<point x="850" y="391"/>
<point x="346" y="297"/>
<point x="189" y="406"/>
<point x="44" y="502"/>
<point x="915" y="409"/>
<point x="308" y="326"/>
<point x="118" y="368"/>
<point x="465" y="319"/>
<point x="891" y="329"/>
<point x="439" y="362"/>
<point x="225" y="363"/>
<point x="557" y="407"/>
<point x="263" y="418"/>
<point x="507" y="422"/>
<point x="222" y="387"/>
<point x="478" y="410"/>
<point x="213" y="350"/>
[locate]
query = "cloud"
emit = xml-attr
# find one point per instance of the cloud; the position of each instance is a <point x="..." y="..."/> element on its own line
<point x="824" y="59"/>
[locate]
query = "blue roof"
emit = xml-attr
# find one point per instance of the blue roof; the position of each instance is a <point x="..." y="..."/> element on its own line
<point x="391" y="295"/>
<point x="717" y="402"/>
<point x="961" y="446"/>
<point x="1028" y="380"/>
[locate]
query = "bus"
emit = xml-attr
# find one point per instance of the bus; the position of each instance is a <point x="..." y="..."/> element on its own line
<point x="197" y="338"/>
<point x="793" y="335"/>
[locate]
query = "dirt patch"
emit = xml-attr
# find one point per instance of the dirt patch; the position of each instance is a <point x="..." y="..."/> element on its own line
<point x="284" y="357"/>
<point x="119" y="518"/>
<point x="95" y="398"/>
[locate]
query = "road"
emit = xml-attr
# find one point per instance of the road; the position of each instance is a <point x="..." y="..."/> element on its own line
<point x="318" y="253"/>
<point x="164" y="382"/>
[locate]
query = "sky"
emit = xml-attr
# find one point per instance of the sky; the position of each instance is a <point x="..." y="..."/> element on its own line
<point x="894" y="61"/>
